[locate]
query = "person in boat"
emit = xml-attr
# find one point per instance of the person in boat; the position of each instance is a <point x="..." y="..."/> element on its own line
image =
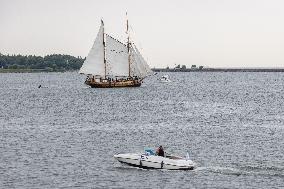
<point x="160" y="151"/>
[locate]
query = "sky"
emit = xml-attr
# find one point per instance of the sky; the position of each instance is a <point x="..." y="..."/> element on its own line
<point x="212" y="33"/>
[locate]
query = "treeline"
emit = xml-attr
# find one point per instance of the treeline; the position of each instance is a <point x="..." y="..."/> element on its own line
<point x="55" y="62"/>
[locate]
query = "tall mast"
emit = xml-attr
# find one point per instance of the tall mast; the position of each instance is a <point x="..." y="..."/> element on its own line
<point x="128" y="45"/>
<point x="104" y="46"/>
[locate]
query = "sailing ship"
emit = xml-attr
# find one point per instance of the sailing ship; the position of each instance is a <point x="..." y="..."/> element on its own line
<point x="112" y="63"/>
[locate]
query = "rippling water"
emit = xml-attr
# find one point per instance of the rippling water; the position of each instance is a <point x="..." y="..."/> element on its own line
<point x="65" y="134"/>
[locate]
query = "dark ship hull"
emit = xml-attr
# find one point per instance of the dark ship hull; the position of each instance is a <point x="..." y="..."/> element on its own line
<point x="113" y="83"/>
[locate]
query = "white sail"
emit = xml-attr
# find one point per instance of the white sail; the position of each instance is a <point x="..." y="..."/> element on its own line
<point x="140" y="66"/>
<point x="94" y="63"/>
<point x="146" y="67"/>
<point x="136" y="65"/>
<point x="135" y="70"/>
<point x="116" y="57"/>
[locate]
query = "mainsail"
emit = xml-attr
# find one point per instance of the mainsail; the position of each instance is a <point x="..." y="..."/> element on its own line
<point x="94" y="63"/>
<point x="116" y="57"/>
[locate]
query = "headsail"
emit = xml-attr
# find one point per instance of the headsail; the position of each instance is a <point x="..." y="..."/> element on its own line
<point x="94" y="63"/>
<point x="134" y="69"/>
<point x="139" y="65"/>
<point x="146" y="69"/>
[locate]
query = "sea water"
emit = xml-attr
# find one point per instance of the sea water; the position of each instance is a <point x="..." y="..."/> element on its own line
<point x="64" y="134"/>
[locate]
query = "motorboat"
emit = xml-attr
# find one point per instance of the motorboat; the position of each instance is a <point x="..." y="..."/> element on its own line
<point x="149" y="160"/>
<point x="165" y="79"/>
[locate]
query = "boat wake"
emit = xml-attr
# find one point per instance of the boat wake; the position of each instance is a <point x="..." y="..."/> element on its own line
<point x="243" y="171"/>
<point x="221" y="170"/>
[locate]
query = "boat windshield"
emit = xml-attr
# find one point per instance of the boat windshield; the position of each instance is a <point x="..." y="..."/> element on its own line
<point x="149" y="151"/>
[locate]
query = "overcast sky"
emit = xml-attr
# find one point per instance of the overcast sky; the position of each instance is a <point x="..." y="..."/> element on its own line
<point x="214" y="33"/>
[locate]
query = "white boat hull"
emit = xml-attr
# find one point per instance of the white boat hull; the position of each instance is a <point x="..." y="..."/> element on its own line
<point x="155" y="162"/>
<point x="165" y="79"/>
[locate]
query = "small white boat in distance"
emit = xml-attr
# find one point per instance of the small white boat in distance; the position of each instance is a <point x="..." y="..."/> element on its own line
<point x="148" y="160"/>
<point x="165" y="79"/>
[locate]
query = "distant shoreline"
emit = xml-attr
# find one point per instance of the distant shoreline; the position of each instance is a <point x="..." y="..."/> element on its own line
<point x="31" y="70"/>
<point x="32" y="63"/>
<point x="220" y="70"/>
<point x="157" y="70"/>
